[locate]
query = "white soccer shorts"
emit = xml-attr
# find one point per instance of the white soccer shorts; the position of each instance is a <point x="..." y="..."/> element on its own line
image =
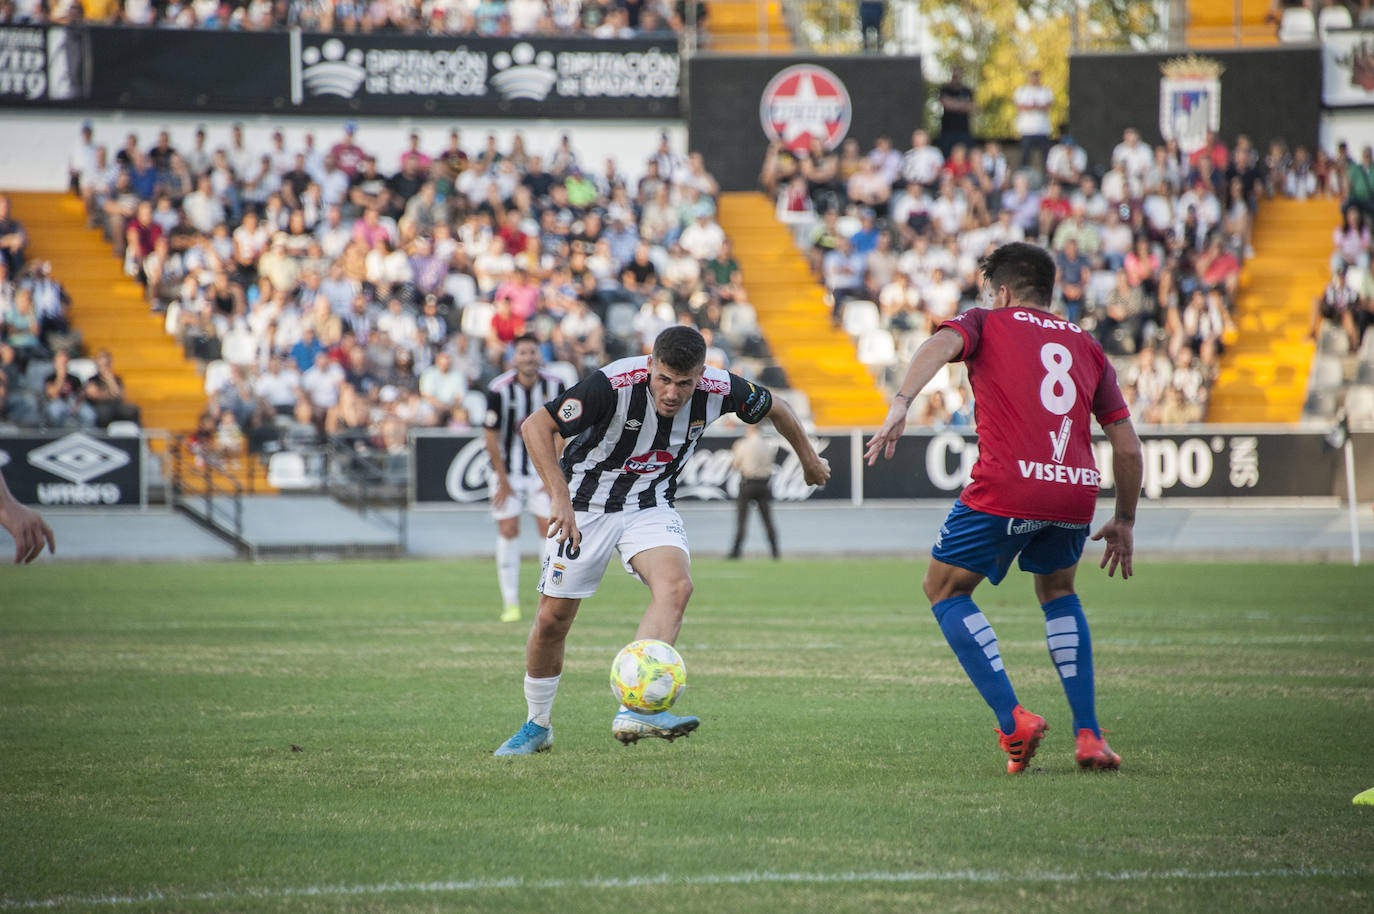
<point x="527" y="494"/>
<point x="575" y="573"/>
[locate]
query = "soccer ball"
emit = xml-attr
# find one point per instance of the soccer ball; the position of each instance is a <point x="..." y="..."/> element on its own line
<point x="648" y="676"/>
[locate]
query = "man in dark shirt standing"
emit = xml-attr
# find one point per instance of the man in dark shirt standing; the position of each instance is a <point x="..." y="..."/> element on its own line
<point x="956" y="107"/>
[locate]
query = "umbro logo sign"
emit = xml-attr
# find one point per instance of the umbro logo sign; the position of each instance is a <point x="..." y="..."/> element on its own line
<point x="633" y="424"/>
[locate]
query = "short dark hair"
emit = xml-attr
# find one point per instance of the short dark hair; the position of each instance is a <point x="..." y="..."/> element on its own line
<point x="1026" y="269"/>
<point x="524" y="338"/>
<point x="681" y="348"/>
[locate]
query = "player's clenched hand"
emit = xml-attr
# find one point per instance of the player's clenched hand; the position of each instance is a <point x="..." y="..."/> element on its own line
<point x="1120" y="537"/>
<point x="563" y="522"/>
<point x="29" y="530"/>
<point x="885" y="442"/>
<point x="817" y="473"/>
<point x="503" y="491"/>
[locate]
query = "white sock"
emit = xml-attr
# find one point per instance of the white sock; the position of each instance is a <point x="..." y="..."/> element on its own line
<point x="508" y="569"/>
<point x="539" y="695"/>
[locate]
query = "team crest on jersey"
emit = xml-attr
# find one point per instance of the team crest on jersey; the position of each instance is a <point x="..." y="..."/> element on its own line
<point x="695" y="429"/>
<point x="570" y="410"/>
<point x="629" y="378"/>
<point x="651" y="462"/>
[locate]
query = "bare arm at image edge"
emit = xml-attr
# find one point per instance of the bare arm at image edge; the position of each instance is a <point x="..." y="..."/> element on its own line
<point x="27" y="527"/>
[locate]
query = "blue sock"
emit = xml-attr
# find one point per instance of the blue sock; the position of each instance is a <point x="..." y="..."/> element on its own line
<point x="975" y="644"/>
<point x="1071" y="649"/>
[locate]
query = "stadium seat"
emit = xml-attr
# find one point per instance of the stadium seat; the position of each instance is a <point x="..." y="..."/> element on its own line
<point x="1359" y="405"/>
<point x="84" y="369"/>
<point x="620" y="319"/>
<point x="475" y="403"/>
<point x="564" y="371"/>
<point x="738" y="321"/>
<point x="476" y="320"/>
<point x="860" y="317"/>
<point x="287" y="470"/>
<point x="216" y="376"/>
<point x="877" y="349"/>
<point x="123" y="428"/>
<point x="1327" y="372"/>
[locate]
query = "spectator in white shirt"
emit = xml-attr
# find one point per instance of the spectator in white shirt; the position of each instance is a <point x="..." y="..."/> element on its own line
<point x="1133" y="156"/>
<point x="922" y="162"/>
<point x="203" y="209"/>
<point x="1066" y="162"/>
<point x="321" y="383"/>
<point x="1033" y="102"/>
<point x="703" y="238"/>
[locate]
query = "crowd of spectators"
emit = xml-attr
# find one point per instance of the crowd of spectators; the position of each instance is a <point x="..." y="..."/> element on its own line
<point x="486" y="18"/>
<point x="1149" y="245"/>
<point x="43" y="381"/>
<point x="1343" y="313"/>
<point x="328" y="293"/>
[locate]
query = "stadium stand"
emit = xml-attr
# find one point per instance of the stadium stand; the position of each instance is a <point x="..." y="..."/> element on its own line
<point x="594" y="18"/>
<point x="261" y="317"/>
<point x="1197" y="273"/>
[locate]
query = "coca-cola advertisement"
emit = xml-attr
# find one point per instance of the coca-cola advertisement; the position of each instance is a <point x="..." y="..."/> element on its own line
<point x="455" y="468"/>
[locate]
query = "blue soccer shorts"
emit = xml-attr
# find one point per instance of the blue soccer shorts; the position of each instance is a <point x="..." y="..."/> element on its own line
<point x="986" y="543"/>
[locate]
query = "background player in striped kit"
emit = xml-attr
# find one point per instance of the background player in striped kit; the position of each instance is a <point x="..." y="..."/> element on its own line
<point x="515" y="487"/>
<point x="631" y="427"/>
<point x="1038" y="381"/>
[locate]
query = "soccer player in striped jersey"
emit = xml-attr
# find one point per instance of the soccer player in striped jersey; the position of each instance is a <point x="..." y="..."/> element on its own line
<point x="630" y="427"/>
<point x="515" y="487"/>
<point x="1038" y="382"/>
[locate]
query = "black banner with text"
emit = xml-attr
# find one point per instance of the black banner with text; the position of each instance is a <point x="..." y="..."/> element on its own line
<point x="80" y="469"/>
<point x="455" y="468"/>
<point x="304" y="73"/>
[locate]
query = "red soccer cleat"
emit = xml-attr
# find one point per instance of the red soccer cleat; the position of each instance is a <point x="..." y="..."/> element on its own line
<point x="1021" y="743"/>
<point x="1094" y="754"/>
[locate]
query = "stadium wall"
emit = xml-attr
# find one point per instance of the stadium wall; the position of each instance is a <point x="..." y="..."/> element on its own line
<point x="34" y="144"/>
<point x="1218" y="462"/>
<point x="1266" y="93"/>
<point x="727" y="98"/>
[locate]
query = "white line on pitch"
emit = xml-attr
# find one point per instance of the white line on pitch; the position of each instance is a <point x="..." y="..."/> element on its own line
<point x="705" y="879"/>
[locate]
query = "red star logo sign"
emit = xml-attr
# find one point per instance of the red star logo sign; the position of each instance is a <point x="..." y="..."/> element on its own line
<point x="804" y="102"/>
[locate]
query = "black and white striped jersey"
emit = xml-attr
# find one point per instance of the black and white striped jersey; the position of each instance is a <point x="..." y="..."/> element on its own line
<point x="508" y="404"/>
<point x="621" y="455"/>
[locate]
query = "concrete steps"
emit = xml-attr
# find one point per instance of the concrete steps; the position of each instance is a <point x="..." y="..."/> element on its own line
<point x="819" y="359"/>
<point x="1263" y="374"/>
<point x="747" y="27"/>
<point x="1215" y="24"/>
<point x="110" y="312"/>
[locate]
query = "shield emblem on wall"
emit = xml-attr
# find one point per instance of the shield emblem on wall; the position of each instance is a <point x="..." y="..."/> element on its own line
<point x="1190" y="101"/>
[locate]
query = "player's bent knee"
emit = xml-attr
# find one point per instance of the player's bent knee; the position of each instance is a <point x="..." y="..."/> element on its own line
<point x="554" y="617"/>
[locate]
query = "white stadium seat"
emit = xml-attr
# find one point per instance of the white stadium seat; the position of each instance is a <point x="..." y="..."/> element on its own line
<point x="860" y="317"/>
<point x="286" y="470"/>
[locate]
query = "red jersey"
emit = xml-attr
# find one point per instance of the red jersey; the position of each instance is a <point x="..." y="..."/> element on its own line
<point x="1037" y="382"/>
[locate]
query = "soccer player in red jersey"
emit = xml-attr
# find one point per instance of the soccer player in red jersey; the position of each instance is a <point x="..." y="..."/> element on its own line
<point x="1037" y="381"/>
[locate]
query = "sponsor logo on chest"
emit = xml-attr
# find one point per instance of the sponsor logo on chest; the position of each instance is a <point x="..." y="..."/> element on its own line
<point x="650" y="462"/>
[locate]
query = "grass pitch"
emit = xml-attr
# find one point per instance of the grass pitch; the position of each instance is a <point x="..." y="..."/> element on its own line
<point x="314" y="737"/>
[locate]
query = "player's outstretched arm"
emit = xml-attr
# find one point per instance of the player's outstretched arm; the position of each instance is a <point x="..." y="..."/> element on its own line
<point x="541" y="443"/>
<point x="1119" y="531"/>
<point x="943" y="347"/>
<point x="815" y="468"/>
<point x="27" y="527"/>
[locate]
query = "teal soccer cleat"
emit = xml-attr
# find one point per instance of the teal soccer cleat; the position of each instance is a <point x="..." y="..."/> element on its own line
<point x="632" y="726"/>
<point x="528" y="740"/>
